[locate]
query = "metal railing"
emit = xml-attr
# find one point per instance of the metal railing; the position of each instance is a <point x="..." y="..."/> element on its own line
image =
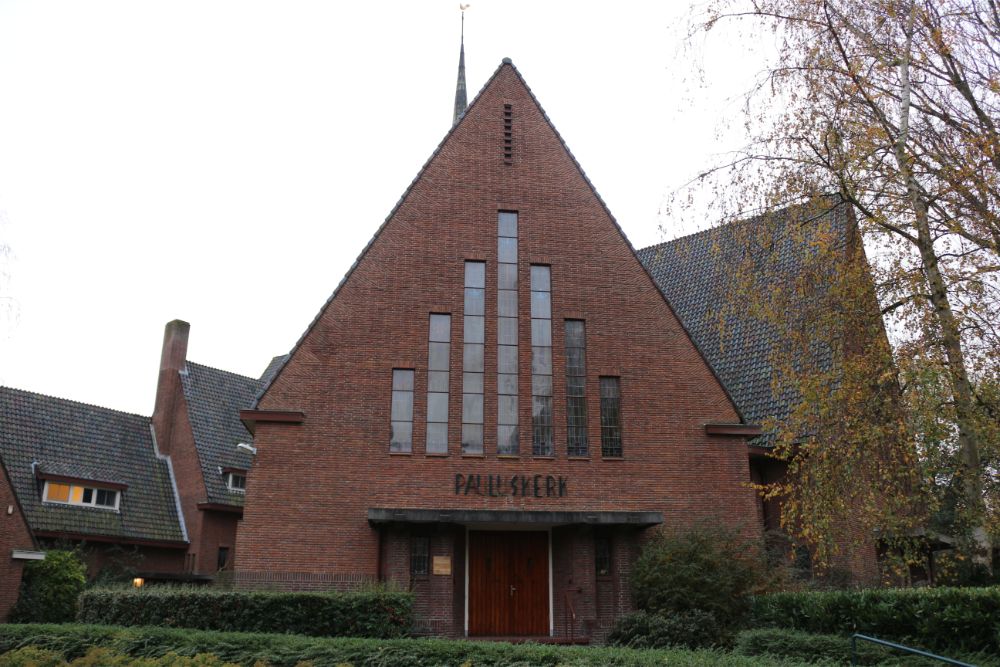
<point x="571" y="617"/>
<point x="899" y="647"/>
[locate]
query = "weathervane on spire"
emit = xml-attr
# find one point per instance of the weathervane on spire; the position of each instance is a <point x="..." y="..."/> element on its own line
<point x="461" y="101"/>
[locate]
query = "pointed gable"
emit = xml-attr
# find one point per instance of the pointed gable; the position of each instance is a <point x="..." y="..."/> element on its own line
<point x="448" y="215"/>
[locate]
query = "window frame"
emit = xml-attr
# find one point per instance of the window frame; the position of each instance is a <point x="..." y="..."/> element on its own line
<point x="93" y="488"/>
<point x="414" y="541"/>
<point x="232" y="474"/>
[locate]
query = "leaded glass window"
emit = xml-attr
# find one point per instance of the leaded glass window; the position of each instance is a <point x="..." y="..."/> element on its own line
<point x="576" y="399"/>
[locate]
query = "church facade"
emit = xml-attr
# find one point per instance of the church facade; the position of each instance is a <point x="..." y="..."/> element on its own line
<point x="496" y="406"/>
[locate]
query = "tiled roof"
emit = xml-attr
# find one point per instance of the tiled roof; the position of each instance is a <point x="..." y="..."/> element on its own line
<point x="64" y="437"/>
<point x="214" y="400"/>
<point x="695" y="273"/>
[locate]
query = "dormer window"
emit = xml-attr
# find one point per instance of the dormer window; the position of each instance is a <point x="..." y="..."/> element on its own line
<point x="65" y="493"/>
<point x="236" y="481"/>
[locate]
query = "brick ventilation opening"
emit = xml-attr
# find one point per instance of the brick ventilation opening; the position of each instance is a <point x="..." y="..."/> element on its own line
<point x="508" y="134"/>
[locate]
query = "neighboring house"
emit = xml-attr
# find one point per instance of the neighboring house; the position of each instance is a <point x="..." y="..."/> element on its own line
<point x="17" y="546"/>
<point x="159" y="497"/>
<point x="197" y="425"/>
<point x="88" y="474"/>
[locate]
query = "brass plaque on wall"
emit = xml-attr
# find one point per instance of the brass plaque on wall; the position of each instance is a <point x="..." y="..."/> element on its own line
<point x="442" y="564"/>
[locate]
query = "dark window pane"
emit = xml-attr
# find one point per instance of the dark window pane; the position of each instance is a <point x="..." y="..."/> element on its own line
<point x="507" y="440"/>
<point x="402" y="406"/>
<point x="419" y="555"/>
<point x="474" y="329"/>
<point x="541" y="332"/>
<point x="472" y="408"/>
<point x="507" y="409"/>
<point x="540" y="279"/>
<point x="507" y="303"/>
<point x="507" y="251"/>
<point x="507" y="224"/>
<point x="507" y="276"/>
<point x="402" y="379"/>
<point x="472" y="383"/>
<point x="541" y="361"/>
<point x="437" y="356"/>
<point x="88" y="496"/>
<point x="574" y="333"/>
<point x="475" y="274"/>
<point x="437" y="381"/>
<point x="541" y="385"/>
<point x="472" y="438"/>
<point x="507" y="359"/>
<point x="105" y="497"/>
<point x="611" y="421"/>
<point x="473" y="358"/>
<point x="507" y="331"/>
<point x="402" y="437"/>
<point x="507" y="383"/>
<point x="440" y="328"/>
<point x="437" y="438"/>
<point x="437" y="407"/>
<point x="223" y="558"/>
<point x="602" y="556"/>
<point x="541" y="305"/>
<point x="475" y="301"/>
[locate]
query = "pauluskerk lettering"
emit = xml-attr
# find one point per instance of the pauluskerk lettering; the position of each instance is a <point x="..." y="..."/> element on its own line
<point x="524" y="486"/>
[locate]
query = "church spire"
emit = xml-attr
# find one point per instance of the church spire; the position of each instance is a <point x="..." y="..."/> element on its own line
<point x="460" y="97"/>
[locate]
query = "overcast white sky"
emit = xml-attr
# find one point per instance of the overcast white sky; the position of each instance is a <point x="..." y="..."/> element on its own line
<point x="224" y="162"/>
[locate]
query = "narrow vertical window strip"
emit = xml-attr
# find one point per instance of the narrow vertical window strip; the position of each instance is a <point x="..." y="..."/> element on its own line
<point x="438" y="376"/>
<point x="541" y="362"/>
<point x="507" y="334"/>
<point x="401" y="415"/>
<point x="508" y="134"/>
<point x="473" y="341"/>
<point x="576" y="400"/>
<point x="611" y="417"/>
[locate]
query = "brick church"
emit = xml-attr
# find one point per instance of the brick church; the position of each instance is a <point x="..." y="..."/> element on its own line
<point x="498" y="404"/>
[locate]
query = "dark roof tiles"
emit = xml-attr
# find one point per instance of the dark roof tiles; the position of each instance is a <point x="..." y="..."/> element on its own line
<point x="74" y="439"/>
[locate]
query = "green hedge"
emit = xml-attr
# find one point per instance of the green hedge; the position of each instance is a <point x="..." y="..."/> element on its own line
<point x="936" y="619"/>
<point x="73" y="641"/>
<point x="809" y="647"/>
<point x="381" y="614"/>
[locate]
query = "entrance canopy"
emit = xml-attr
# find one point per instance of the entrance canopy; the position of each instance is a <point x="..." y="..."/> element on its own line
<point x="379" y="515"/>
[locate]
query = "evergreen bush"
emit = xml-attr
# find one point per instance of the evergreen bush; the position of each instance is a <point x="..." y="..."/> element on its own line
<point x="935" y="619"/>
<point x="376" y="613"/>
<point x="691" y="629"/>
<point x="49" y="588"/>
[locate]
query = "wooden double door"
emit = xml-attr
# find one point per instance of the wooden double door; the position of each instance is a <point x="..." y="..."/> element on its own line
<point x="508" y="583"/>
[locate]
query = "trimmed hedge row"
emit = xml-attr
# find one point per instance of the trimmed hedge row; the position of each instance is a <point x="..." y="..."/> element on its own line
<point x="73" y="641"/>
<point x="379" y="614"/>
<point x="936" y="619"/>
<point x="808" y="647"/>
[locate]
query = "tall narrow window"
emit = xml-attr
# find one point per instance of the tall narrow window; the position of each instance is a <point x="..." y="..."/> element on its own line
<point x="472" y="358"/>
<point x="438" y="365"/>
<point x="602" y="556"/>
<point x="611" y="417"/>
<point x="401" y="439"/>
<point x="507" y="438"/>
<point x="541" y="361"/>
<point x="420" y="548"/>
<point x="576" y="399"/>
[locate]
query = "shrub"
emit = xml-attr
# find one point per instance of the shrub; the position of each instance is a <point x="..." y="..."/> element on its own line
<point x="73" y="641"/>
<point x="705" y="569"/>
<point x="691" y="629"/>
<point x="806" y="647"/>
<point x="49" y="588"/>
<point x="31" y="656"/>
<point x="376" y="613"/>
<point x="937" y="619"/>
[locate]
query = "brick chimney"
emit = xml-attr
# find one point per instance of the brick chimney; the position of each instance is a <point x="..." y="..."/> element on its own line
<point x="168" y="385"/>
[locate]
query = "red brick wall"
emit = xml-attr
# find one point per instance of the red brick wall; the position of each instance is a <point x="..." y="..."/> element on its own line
<point x="313" y="483"/>
<point x="14" y="534"/>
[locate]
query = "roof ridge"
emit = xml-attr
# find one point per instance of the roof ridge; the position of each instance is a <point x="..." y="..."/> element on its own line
<point x="70" y="400"/>
<point x="222" y="370"/>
